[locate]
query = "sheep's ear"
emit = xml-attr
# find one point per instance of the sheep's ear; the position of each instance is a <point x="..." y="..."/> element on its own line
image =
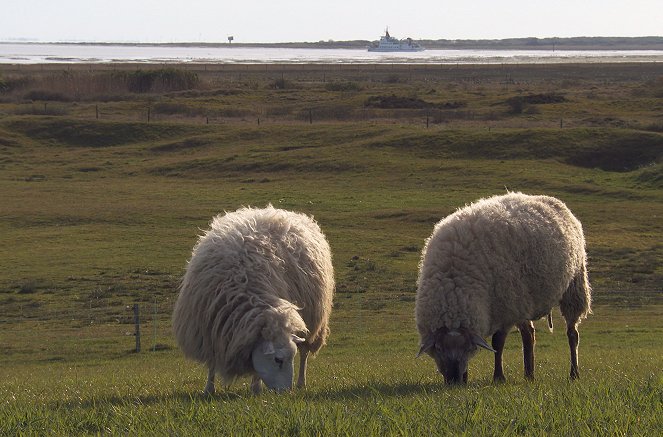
<point x="268" y="348"/>
<point x="426" y="346"/>
<point x="297" y="340"/>
<point x="479" y="341"/>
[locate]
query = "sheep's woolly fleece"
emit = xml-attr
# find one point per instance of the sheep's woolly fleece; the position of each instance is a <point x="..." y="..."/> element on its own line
<point x="255" y="273"/>
<point x="501" y="261"/>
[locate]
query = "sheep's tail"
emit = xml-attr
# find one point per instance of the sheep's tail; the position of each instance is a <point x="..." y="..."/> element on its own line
<point x="550" y="322"/>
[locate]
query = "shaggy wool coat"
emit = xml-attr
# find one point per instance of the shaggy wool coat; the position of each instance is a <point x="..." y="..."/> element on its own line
<point x="501" y="261"/>
<point x="256" y="273"/>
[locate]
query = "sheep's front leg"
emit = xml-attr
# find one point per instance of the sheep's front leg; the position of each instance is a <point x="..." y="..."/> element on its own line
<point x="301" y="378"/>
<point x="527" y="333"/>
<point x="574" y="339"/>
<point x="498" y="340"/>
<point x="256" y="385"/>
<point x="209" y="387"/>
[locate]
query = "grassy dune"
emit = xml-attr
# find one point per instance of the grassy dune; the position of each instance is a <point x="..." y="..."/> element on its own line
<point x="100" y="210"/>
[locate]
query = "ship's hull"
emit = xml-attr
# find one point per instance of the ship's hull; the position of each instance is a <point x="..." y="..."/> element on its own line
<point x="395" y="49"/>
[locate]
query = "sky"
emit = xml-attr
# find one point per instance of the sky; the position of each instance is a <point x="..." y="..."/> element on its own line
<point x="314" y="20"/>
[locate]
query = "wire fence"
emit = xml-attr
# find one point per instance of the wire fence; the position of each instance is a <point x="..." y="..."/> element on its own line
<point x="130" y="325"/>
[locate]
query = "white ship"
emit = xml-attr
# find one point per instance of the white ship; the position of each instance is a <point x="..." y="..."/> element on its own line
<point x="388" y="43"/>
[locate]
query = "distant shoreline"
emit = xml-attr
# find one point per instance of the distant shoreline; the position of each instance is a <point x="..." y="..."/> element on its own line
<point x="544" y="44"/>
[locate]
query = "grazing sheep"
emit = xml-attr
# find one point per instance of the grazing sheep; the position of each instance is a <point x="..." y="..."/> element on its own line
<point x="258" y="287"/>
<point x="497" y="263"/>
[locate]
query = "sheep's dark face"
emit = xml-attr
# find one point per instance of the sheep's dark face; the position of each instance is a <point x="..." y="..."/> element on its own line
<point x="452" y="350"/>
<point x="273" y="362"/>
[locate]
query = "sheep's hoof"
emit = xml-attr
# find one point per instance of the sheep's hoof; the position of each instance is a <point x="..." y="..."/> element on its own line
<point x="499" y="379"/>
<point x="209" y="389"/>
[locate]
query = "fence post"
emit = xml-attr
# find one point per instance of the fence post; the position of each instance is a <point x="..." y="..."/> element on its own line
<point x="137" y="323"/>
<point x="154" y="348"/>
<point x="310" y="116"/>
<point x="148" y="114"/>
<point x="96" y="111"/>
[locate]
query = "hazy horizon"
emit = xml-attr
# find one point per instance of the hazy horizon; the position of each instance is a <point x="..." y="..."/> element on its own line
<point x="158" y="21"/>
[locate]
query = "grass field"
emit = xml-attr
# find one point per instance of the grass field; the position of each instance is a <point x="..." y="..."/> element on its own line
<point x="100" y="209"/>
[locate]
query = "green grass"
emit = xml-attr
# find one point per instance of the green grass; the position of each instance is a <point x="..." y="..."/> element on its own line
<point x="365" y="382"/>
<point x="99" y="214"/>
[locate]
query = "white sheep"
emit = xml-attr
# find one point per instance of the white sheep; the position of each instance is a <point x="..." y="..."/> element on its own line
<point x="259" y="286"/>
<point x="497" y="263"/>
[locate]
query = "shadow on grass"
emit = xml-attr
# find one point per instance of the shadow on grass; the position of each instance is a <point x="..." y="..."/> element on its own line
<point x="155" y="399"/>
<point x="369" y="390"/>
<point x="377" y="390"/>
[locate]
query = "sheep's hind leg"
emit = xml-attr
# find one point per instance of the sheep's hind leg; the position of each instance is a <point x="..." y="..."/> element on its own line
<point x="527" y="333"/>
<point x="301" y="378"/>
<point x="498" y="340"/>
<point x="574" y="339"/>
<point x="209" y="387"/>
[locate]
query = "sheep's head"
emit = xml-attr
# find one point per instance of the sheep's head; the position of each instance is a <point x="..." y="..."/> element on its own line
<point x="273" y="361"/>
<point x="452" y="349"/>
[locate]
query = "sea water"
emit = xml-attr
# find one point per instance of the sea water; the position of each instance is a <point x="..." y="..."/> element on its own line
<point x="32" y="53"/>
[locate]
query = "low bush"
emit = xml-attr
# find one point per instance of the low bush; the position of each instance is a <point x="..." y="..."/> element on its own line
<point x="343" y="86"/>
<point x="41" y="110"/>
<point x="399" y="102"/>
<point x="46" y="95"/>
<point x="10" y="84"/>
<point x="163" y="80"/>
<point x="281" y="84"/>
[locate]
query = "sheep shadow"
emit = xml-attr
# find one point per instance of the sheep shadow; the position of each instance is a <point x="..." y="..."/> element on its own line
<point x="376" y="389"/>
<point x="153" y="399"/>
<point x="370" y="390"/>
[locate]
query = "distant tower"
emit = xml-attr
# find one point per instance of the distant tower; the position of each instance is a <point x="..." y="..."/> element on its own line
<point x="230" y="39"/>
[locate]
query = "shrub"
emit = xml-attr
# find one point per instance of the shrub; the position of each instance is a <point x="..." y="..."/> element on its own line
<point x="177" y="108"/>
<point x="41" y="110"/>
<point x="398" y="102"/>
<point x="281" y="84"/>
<point x="13" y="83"/>
<point x="342" y="86"/>
<point x="164" y="80"/>
<point x="28" y="287"/>
<point x="393" y="78"/>
<point x="520" y="104"/>
<point x="516" y="104"/>
<point x="45" y="95"/>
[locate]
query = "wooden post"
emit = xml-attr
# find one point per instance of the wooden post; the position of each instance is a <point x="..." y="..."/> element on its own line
<point x="561" y="123"/>
<point x="137" y="323"/>
<point x="148" y="114"/>
<point x="426" y="121"/>
<point x="96" y="111"/>
<point x="154" y="348"/>
<point x="310" y="116"/>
